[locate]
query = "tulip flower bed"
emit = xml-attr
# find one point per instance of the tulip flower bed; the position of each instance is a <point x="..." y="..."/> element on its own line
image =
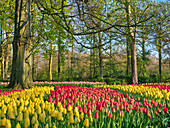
<point x="74" y="107"/>
<point x="156" y="92"/>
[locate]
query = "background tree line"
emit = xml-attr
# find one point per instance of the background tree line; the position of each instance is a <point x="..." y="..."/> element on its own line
<point x="93" y="40"/>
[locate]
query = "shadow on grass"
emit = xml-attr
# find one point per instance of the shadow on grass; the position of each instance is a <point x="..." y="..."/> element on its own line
<point x="4" y="88"/>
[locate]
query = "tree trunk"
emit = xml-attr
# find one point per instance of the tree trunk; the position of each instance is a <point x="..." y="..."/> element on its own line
<point x="91" y="58"/>
<point x="110" y="57"/>
<point x="143" y="55"/>
<point x="72" y="56"/>
<point x="100" y="56"/>
<point x="2" y="55"/>
<point x="51" y="61"/>
<point x="59" y="57"/>
<point x="94" y="58"/>
<point x="160" y="64"/>
<point x="132" y="36"/>
<point x="128" y="55"/>
<point x="21" y="75"/>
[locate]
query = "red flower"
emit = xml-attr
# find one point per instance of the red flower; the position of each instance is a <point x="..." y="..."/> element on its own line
<point x="165" y="109"/>
<point x="110" y="115"/>
<point x="159" y="111"/>
<point x="50" y="99"/>
<point x="149" y="115"/>
<point x="113" y="110"/>
<point x="96" y="115"/>
<point x="154" y="104"/>
<point x="156" y="113"/>
<point x="160" y="105"/>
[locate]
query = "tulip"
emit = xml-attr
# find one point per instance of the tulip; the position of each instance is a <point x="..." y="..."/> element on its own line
<point x="154" y="104"/>
<point x="3" y="122"/>
<point x="8" y="124"/>
<point x="18" y="125"/>
<point x="46" y="126"/>
<point x="81" y="115"/>
<point x="86" y="123"/>
<point x="96" y="116"/>
<point x="20" y="117"/>
<point x="71" y="120"/>
<point x="11" y="115"/>
<point x="59" y="116"/>
<point x="33" y="121"/>
<point x="165" y="109"/>
<point x="69" y="108"/>
<point x="159" y="111"/>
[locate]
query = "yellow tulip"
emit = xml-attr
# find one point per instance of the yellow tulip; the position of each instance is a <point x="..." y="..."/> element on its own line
<point x="65" y="111"/>
<point x="3" y="123"/>
<point x="69" y="108"/>
<point x="36" y="126"/>
<point x="38" y="110"/>
<point x="53" y="113"/>
<point x="8" y="124"/>
<point x="71" y="120"/>
<point x="18" y="125"/>
<point x="46" y="126"/>
<point x="81" y="115"/>
<point x="76" y="110"/>
<point x="33" y="120"/>
<point x="86" y="123"/>
<point x="59" y="116"/>
<point x="11" y="115"/>
<point x="27" y="123"/>
<point x="54" y="126"/>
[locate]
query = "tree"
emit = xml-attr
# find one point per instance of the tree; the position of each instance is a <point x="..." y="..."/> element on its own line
<point x="21" y="75"/>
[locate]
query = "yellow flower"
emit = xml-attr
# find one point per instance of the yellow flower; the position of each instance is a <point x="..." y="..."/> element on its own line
<point x="3" y="123"/>
<point x="59" y="116"/>
<point x="49" y="121"/>
<point x="33" y="120"/>
<point x="36" y="126"/>
<point x="8" y="124"/>
<point x="86" y="123"/>
<point x="65" y="111"/>
<point x="71" y="120"/>
<point x="20" y="116"/>
<point x="69" y="108"/>
<point x="18" y="125"/>
<point x="81" y="115"/>
<point x="27" y="123"/>
<point x="46" y="126"/>
<point x="76" y="110"/>
<point x="38" y="110"/>
<point x="54" y="126"/>
<point x="53" y="113"/>
<point x="11" y="115"/>
<point x="58" y="104"/>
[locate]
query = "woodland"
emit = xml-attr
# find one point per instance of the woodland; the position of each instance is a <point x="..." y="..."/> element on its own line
<point x="112" y="41"/>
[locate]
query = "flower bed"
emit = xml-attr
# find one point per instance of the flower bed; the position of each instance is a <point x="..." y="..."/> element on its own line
<point x="73" y="106"/>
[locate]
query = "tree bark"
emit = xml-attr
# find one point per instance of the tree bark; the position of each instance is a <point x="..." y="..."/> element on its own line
<point x="128" y="55"/>
<point x="21" y="75"/>
<point x="2" y="55"/>
<point x="59" y="57"/>
<point x="132" y="36"/>
<point x="143" y="55"/>
<point x="160" y="64"/>
<point x="100" y="56"/>
<point x="72" y="56"/>
<point x="51" y="61"/>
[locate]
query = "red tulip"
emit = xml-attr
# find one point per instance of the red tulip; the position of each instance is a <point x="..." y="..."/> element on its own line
<point x="159" y="111"/>
<point x="154" y="104"/>
<point x="160" y="105"/>
<point x="96" y="116"/>
<point x="165" y="109"/>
